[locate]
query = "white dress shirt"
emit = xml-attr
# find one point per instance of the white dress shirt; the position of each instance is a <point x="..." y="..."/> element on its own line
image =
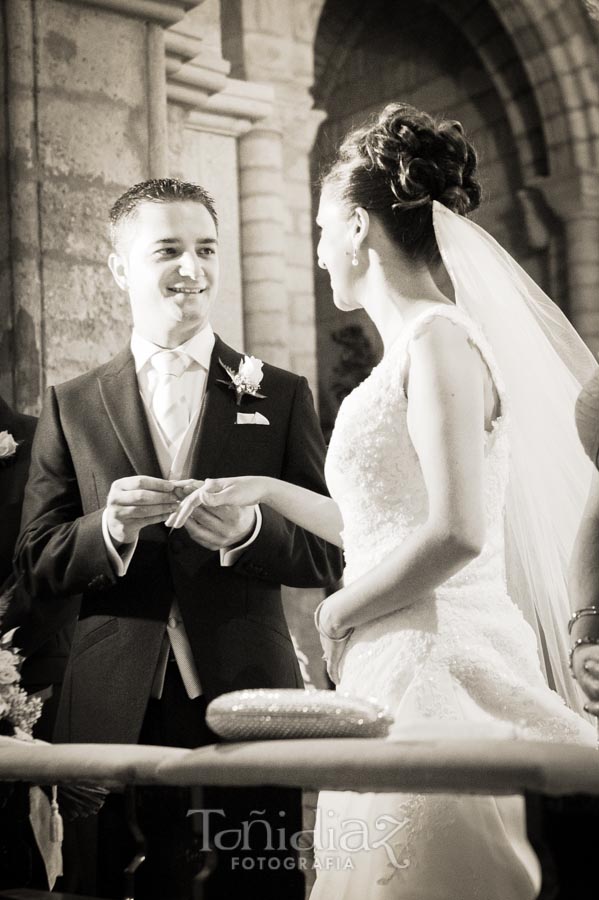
<point x="174" y="463"/>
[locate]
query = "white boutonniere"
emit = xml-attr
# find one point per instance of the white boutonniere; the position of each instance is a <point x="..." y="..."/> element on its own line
<point x="8" y="446"/>
<point x="246" y="380"/>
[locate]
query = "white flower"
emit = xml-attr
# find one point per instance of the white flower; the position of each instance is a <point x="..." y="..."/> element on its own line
<point x="8" y="445"/>
<point x="250" y="370"/>
<point x="246" y="380"/>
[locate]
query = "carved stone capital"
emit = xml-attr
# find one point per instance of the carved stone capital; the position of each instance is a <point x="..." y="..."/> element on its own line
<point x="234" y="110"/>
<point x="160" y="12"/>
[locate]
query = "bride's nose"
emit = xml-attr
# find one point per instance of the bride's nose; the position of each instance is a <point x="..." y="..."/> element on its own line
<point x="322" y="264"/>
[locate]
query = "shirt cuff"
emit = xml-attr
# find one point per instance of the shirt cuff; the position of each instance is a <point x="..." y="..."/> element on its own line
<point x="120" y="558"/>
<point x="230" y="555"/>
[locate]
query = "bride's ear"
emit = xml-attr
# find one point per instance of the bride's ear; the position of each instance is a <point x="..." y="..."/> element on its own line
<point x="360" y="226"/>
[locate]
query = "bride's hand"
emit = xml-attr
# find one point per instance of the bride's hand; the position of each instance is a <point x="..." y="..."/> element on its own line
<point x="333" y="647"/>
<point x="332" y="653"/>
<point x="245" y="490"/>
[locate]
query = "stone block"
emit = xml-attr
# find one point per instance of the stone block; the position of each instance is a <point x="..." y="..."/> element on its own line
<point x="93" y="138"/>
<point x="262" y="237"/>
<point x="268" y="17"/>
<point x="590" y="90"/>
<point x="572" y="91"/>
<point x="300" y="279"/>
<point x="267" y="329"/>
<point x="83" y="292"/>
<point x="303" y="223"/>
<point x="260" y="151"/>
<point x="266" y="296"/>
<point x="296" y="164"/>
<point x="305" y="364"/>
<point x="254" y="181"/>
<point x="302" y="340"/>
<point x="267" y="56"/>
<point x="75" y="217"/>
<point x="298" y="196"/>
<point x="90" y="51"/>
<point x="305" y="15"/>
<point x="560" y="57"/>
<point x="258" y="267"/>
<point x="556" y="130"/>
<point x="302" y="309"/>
<point x="593" y="116"/>
<point x="261" y="208"/>
<point x="299" y="251"/>
<point x="579" y="124"/>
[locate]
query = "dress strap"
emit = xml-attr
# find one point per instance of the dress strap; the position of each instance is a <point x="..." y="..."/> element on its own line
<point x="460" y="319"/>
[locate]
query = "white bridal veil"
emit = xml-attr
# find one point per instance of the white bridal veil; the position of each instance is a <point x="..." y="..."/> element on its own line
<point x="544" y="363"/>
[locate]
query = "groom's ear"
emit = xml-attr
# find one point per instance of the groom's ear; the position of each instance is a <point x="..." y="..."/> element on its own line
<point x="360" y="225"/>
<point x="118" y="267"/>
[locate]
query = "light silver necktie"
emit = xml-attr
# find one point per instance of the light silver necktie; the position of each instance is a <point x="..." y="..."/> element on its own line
<point x="169" y="404"/>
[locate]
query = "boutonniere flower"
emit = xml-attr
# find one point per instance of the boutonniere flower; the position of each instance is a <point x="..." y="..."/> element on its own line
<point x="246" y="380"/>
<point x="8" y="446"/>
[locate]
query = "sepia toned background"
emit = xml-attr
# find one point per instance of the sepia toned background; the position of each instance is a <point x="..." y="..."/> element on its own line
<point x="250" y="98"/>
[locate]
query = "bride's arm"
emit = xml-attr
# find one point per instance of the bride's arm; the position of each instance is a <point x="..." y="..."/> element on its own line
<point x="446" y="418"/>
<point x="309" y="510"/>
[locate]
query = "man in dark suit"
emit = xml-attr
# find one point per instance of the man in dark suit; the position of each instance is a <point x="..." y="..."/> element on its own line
<point x="44" y="641"/>
<point x="169" y="621"/>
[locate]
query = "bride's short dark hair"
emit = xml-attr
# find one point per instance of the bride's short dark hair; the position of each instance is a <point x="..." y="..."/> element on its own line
<point x="397" y="164"/>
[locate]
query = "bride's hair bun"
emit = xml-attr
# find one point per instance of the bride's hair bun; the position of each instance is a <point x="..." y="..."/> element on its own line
<point x="398" y="164"/>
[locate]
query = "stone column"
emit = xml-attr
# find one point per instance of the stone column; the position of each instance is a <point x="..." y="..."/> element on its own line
<point x="262" y="224"/>
<point x="301" y="125"/>
<point x="23" y="379"/>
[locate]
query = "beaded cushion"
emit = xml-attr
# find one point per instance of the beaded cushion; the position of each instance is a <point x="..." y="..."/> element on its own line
<point x="264" y="714"/>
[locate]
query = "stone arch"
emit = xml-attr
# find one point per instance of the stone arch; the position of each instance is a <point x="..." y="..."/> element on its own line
<point x="558" y="46"/>
<point x="342" y="23"/>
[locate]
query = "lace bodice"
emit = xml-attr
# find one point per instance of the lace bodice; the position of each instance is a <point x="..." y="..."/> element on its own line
<point x="373" y="471"/>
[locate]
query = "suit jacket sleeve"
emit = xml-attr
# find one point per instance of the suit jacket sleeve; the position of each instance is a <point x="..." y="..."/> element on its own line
<point x="283" y="552"/>
<point x="60" y="550"/>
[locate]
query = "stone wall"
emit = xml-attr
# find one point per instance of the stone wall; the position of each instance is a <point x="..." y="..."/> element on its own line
<point x="78" y="132"/>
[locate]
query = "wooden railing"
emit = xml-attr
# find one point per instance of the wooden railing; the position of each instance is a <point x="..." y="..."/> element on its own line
<point x="447" y="765"/>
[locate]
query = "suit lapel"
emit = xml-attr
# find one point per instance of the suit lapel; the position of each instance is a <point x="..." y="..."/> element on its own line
<point x="120" y="393"/>
<point x="218" y="415"/>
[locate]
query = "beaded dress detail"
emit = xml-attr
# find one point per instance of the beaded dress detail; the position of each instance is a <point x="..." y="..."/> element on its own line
<point x="465" y="653"/>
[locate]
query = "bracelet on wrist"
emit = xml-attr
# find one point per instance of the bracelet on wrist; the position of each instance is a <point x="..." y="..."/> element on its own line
<point x="325" y="634"/>
<point x="582" y="613"/>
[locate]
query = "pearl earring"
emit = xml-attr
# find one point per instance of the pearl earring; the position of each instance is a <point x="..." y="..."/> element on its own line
<point x="354" y="259"/>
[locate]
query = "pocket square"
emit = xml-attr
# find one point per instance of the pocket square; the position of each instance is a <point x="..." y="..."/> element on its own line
<point x="251" y="419"/>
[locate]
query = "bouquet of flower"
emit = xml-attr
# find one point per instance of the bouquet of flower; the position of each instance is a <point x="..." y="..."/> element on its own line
<point x="18" y="711"/>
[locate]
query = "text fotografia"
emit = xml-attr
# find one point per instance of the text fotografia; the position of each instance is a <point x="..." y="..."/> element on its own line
<point x="257" y="834"/>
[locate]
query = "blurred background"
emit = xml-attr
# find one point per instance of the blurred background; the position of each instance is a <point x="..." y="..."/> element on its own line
<point x="250" y="98"/>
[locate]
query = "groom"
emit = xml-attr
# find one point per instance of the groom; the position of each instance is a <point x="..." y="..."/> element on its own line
<point x="170" y="621"/>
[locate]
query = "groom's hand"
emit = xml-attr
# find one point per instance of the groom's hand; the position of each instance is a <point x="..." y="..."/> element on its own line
<point x="135" y="502"/>
<point x="220" y="528"/>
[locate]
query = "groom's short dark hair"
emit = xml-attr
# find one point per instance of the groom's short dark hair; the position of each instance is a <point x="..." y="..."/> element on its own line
<point x="157" y="190"/>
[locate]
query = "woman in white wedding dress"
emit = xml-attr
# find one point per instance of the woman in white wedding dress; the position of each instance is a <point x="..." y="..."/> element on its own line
<point x="418" y="469"/>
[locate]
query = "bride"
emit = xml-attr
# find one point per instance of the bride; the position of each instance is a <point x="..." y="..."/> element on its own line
<point x="456" y="459"/>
